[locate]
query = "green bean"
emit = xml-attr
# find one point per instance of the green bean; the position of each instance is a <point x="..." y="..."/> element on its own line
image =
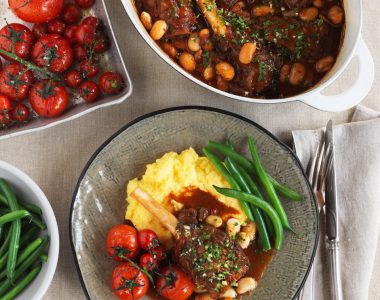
<point x="227" y="176"/>
<point x="248" y="166"/>
<point x="37" y="221"/>
<point x="13" y="216"/>
<point x="25" y="254"/>
<point x="32" y="259"/>
<point x="266" y="207"/>
<point x="22" y="284"/>
<point x="229" y="143"/>
<point x="269" y="189"/>
<point x="31" y="208"/>
<point x="31" y="233"/>
<point x="255" y="191"/>
<point x="15" y="228"/>
<point x="263" y="233"/>
<point x="44" y="257"/>
<point x="3" y="200"/>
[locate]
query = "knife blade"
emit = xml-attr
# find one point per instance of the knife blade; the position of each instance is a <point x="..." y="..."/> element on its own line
<point x="331" y="203"/>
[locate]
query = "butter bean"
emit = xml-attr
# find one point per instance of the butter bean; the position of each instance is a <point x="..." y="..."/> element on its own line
<point x="225" y="70"/>
<point x="247" y="52"/>
<point x="319" y="3"/>
<point x="335" y="15"/>
<point x="169" y="49"/>
<point x="246" y="284"/>
<point x="214" y="220"/>
<point x="193" y="42"/>
<point x="284" y="73"/>
<point x="208" y="73"/>
<point x="297" y="74"/>
<point x="324" y="64"/>
<point x="250" y="230"/>
<point x="158" y="30"/>
<point x="309" y="14"/>
<point x="262" y="10"/>
<point x="232" y="226"/>
<point x="146" y="20"/>
<point x="187" y="61"/>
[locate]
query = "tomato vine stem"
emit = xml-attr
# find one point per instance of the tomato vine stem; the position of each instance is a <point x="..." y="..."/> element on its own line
<point x="30" y="65"/>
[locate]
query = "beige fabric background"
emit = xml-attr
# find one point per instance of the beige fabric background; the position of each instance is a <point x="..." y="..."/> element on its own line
<point x="55" y="157"/>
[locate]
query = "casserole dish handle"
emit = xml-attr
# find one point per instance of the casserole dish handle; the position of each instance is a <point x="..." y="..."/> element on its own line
<point x="353" y="95"/>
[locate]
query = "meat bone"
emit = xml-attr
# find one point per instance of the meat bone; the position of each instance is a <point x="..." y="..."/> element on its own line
<point x="166" y="218"/>
<point x="210" y="11"/>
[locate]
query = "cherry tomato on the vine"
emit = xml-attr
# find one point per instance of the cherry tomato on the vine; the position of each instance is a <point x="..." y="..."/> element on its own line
<point x="148" y="262"/>
<point x="20" y="113"/>
<point x="174" y="284"/>
<point x="129" y="283"/>
<point x="5" y="103"/>
<point x="89" y="91"/>
<point x="56" y="26"/>
<point x="22" y="37"/>
<point x="70" y="34"/>
<point x="15" y="81"/>
<point x="36" y="11"/>
<point x="89" y="68"/>
<point x="71" y="14"/>
<point x="53" y="51"/>
<point x="86" y="31"/>
<point x="79" y="52"/>
<point x="85" y="3"/>
<point x="122" y="241"/>
<point x="110" y="82"/>
<point x="48" y="99"/>
<point x="39" y="30"/>
<point x="73" y="78"/>
<point x="158" y="253"/>
<point x="147" y="239"/>
<point x="5" y="119"/>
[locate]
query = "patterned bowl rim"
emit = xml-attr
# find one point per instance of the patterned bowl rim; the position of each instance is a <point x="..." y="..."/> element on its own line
<point x="181" y="108"/>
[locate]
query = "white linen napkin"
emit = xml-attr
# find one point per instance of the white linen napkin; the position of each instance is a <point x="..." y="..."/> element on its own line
<point x="357" y="162"/>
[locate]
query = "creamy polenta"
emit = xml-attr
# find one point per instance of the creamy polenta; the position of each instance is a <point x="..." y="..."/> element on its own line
<point x="172" y="174"/>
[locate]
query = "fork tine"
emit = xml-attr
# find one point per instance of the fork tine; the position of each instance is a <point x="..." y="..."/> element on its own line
<point x="325" y="168"/>
<point x="315" y="165"/>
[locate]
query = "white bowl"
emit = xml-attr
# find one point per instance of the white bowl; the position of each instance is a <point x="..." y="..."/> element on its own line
<point x="26" y="189"/>
<point x="353" y="46"/>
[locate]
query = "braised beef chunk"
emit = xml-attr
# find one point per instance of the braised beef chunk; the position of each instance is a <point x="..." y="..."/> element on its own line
<point x="213" y="260"/>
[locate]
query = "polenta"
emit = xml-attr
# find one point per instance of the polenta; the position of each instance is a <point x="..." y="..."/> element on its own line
<point x="172" y="174"/>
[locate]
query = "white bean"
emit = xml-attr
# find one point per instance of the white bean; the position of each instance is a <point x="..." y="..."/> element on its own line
<point x="214" y="220"/>
<point x="146" y="19"/>
<point x="233" y="226"/>
<point x="250" y="229"/>
<point x="159" y="28"/>
<point x="243" y="240"/>
<point x="246" y="284"/>
<point x="229" y="293"/>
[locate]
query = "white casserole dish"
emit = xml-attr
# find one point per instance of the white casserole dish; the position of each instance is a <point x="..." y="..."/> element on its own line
<point x="112" y="58"/>
<point x="353" y="46"/>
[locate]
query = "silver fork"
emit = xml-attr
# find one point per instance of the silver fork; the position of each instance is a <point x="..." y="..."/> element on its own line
<point x="316" y="172"/>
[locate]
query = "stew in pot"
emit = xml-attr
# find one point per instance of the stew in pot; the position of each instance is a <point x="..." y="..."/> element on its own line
<point x="253" y="48"/>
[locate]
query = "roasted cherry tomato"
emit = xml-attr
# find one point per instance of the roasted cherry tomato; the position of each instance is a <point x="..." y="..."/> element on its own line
<point x="71" y="14"/>
<point x="73" y="78"/>
<point x="54" y="52"/>
<point x="5" y="103"/>
<point x="89" y="91"/>
<point x="56" y="26"/>
<point x="39" y="30"/>
<point x="174" y="284"/>
<point x="158" y="253"/>
<point x="79" y="52"/>
<point x="36" y="11"/>
<point x="48" y="99"/>
<point x="110" y="82"/>
<point x="70" y="33"/>
<point x="85" y="34"/>
<point x="128" y="283"/>
<point x="5" y="119"/>
<point x="147" y="239"/>
<point x="122" y="241"/>
<point x="89" y="68"/>
<point x="15" y="81"/>
<point x="20" y="113"/>
<point x="85" y="3"/>
<point x="21" y="35"/>
<point x="101" y="42"/>
<point x="148" y="262"/>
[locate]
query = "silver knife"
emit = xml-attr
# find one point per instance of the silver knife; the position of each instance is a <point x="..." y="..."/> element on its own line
<point x="331" y="209"/>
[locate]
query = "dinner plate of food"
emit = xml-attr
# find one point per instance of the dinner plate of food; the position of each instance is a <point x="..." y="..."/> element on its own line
<point x="193" y="203"/>
<point x="261" y="51"/>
